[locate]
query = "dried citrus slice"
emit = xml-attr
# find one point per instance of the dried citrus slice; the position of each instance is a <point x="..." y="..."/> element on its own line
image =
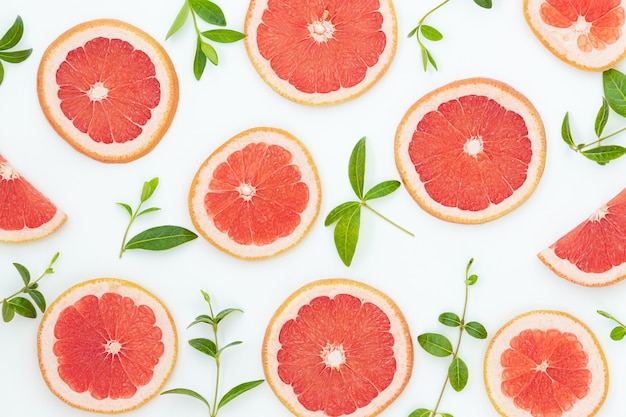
<point x="594" y="252"/>
<point x="545" y="363"/>
<point x="25" y="213"/>
<point x="257" y="195"/>
<point x="106" y="345"/>
<point x="471" y="151"/>
<point x="109" y="89"/>
<point x="586" y="34"/>
<point x="337" y="347"/>
<point x="322" y="52"/>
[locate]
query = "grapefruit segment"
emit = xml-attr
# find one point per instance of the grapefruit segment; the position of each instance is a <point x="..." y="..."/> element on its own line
<point x="594" y="252"/>
<point x="109" y="89"/>
<point x="106" y="345"/>
<point x="25" y="213"/>
<point x="545" y="363"/>
<point x="470" y="151"/>
<point x="337" y="347"/>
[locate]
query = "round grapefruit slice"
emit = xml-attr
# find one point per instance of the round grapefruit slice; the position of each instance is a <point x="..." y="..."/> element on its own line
<point x="586" y="34"/>
<point x="545" y="363"/>
<point x="109" y="89"/>
<point x="337" y="347"/>
<point x="257" y="195"/>
<point x="594" y="252"/>
<point x="25" y="213"/>
<point x="106" y="345"/>
<point x="321" y="53"/>
<point x="471" y="151"/>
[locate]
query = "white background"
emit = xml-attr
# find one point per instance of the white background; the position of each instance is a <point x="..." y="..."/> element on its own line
<point x="424" y="274"/>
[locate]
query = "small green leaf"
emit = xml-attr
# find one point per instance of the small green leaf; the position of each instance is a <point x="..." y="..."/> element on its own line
<point x="7" y="311"/>
<point x="219" y="352"/>
<point x="446" y="415"/>
<point x="605" y="314"/>
<point x="420" y="412"/>
<point x="148" y="210"/>
<point x="347" y="235"/>
<point x="222" y="314"/>
<point x="160" y="238"/>
<point x="476" y="330"/>
<point x="431" y="33"/>
<point x="15" y="57"/>
<point x="223" y="35"/>
<point x="412" y="32"/>
<point x="23" y="272"/>
<point x="209" y="52"/>
<point x="129" y="210"/>
<point x="425" y="57"/>
<point x="206" y="297"/>
<point x="614" y="83"/>
<point x="203" y="319"/>
<point x="149" y="187"/>
<point x="566" y="132"/>
<point x="382" y="189"/>
<point x="340" y="211"/>
<point x="1" y="72"/>
<point x="618" y="333"/>
<point x="208" y="11"/>
<point x="604" y="154"/>
<point x="602" y="117"/>
<point x="356" y="168"/>
<point x="38" y="298"/>
<point x="13" y="35"/>
<point x="458" y="374"/>
<point x="188" y="392"/>
<point x="237" y="391"/>
<point x="23" y="307"/>
<point x="450" y="319"/>
<point x="180" y="20"/>
<point x="429" y="59"/>
<point x="205" y="346"/>
<point x="487" y="4"/>
<point x="199" y="61"/>
<point x="435" y="344"/>
<point x="472" y="279"/>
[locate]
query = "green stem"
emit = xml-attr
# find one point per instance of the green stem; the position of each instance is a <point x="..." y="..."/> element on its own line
<point x="132" y="219"/>
<point x="47" y="271"/>
<point x="597" y="142"/>
<point x="213" y="411"/>
<point x="364" y="204"/>
<point x="195" y="20"/>
<point x="421" y="21"/>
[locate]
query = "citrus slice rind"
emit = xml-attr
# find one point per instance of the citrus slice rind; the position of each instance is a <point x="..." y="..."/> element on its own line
<point x="132" y="294"/>
<point x="356" y="348"/>
<point x="582" y="397"/>
<point x="152" y="121"/>
<point x="330" y="52"/>
<point x="299" y="159"/>
<point x="467" y="152"/>
<point x="592" y="40"/>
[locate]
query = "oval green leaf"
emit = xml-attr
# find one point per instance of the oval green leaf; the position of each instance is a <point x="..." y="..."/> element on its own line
<point x="604" y="154"/>
<point x="1" y="73"/>
<point x="149" y="187"/>
<point x="381" y="190"/>
<point x="618" y="333"/>
<point x="341" y="210"/>
<point x="209" y="52"/>
<point x="458" y="374"/>
<point x="199" y="60"/>
<point x="7" y="311"/>
<point x="208" y="11"/>
<point x="205" y="346"/>
<point x="128" y="209"/>
<point x="38" y="298"/>
<point x="420" y="412"/>
<point x="601" y="118"/>
<point x="222" y="314"/>
<point x="188" y="392"/>
<point x="449" y="319"/>
<point x="614" y="83"/>
<point x="23" y="307"/>
<point x="486" y="4"/>
<point x="13" y="35"/>
<point x="223" y="35"/>
<point x="566" y="132"/>
<point x="476" y="330"/>
<point x="160" y="238"/>
<point x="180" y="20"/>
<point x="347" y="235"/>
<point x="237" y="391"/>
<point x="23" y="272"/>
<point x="431" y="33"/>
<point x="356" y="168"/>
<point x="15" y="57"/>
<point x="435" y="344"/>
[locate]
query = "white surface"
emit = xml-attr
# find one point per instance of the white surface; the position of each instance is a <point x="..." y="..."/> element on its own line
<point x="424" y="275"/>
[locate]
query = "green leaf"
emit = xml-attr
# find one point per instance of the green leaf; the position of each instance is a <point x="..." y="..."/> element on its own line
<point x="223" y="35"/>
<point x="231" y="344"/>
<point x="7" y="311"/>
<point x="205" y="346"/>
<point x="458" y="374"/>
<point x="208" y="11"/>
<point x="446" y="415"/>
<point x="450" y="319"/>
<point x="222" y="314"/>
<point x="472" y="279"/>
<point x="149" y="187"/>
<point x="15" y="57"/>
<point x="340" y="211"/>
<point x="148" y="210"/>
<point x="237" y="391"/>
<point x="356" y="168"/>
<point x="476" y="330"/>
<point x="605" y="153"/>
<point x="203" y="319"/>
<point x="128" y="208"/>
<point x="206" y="297"/>
<point x="347" y="235"/>
<point x="13" y="35"/>
<point x="188" y="392"/>
<point x="431" y="33"/>
<point x="602" y="117"/>
<point x="1" y="73"/>
<point x="23" y="307"/>
<point x="382" y="189"/>
<point x="180" y="20"/>
<point x="618" y="333"/>
<point x="420" y="412"/>
<point x="487" y="4"/>
<point x="199" y="61"/>
<point x="209" y="52"/>
<point x="614" y="83"/>
<point x="428" y="58"/>
<point x="412" y="32"/>
<point x="161" y="238"/>
<point x="435" y="344"/>
<point x="566" y="132"/>
<point x="23" y="272"/>
<point x="38" y="298"/>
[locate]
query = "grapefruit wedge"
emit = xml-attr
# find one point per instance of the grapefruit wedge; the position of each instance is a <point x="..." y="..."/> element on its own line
<point x="545" y="363"/>
<point x="586" y="34"/>
<point x="323" y="52"/>
<point x="257" y="195"/>
<point x="106" y="345"/>
<point x="25" y="213"/>
<point x="594" y="252"/>
<point x="471" y="151"/>
<point x="109" y="89"/>
<point x="337" y="347"/>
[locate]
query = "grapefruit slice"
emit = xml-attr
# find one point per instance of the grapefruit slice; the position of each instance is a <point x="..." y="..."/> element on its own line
<point x="25" y="213"/>
<point x="106" y="345"/>
<point x="320" y="53"/>
<point x="586" y="34"/>
<point x="257" y="195"/>
<point x="545" y="363"/>
<point x="594" y="252"/>
<point x="471" y="151"/>
<point x="337" y="347"/>
<point x="109" y="89"/>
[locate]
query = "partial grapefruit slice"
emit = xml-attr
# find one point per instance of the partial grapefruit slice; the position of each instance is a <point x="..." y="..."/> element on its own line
<point x="337" y="347"/>
<point x="109" y="89"/>
<point x="257" y="195"/>
<point x="545" y="363"/>
<point x="586" y="34"/>
<point x="471" y="151"/>
<point x="321" y="53"/>
<point x="25" y="213"/>
<point x="594" y="252"/>
<point x="106" y="345"/>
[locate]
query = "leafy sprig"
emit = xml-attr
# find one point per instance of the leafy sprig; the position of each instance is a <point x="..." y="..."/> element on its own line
<point x="439" y="345"/>
<point x="9" y="40"/>
<point x="614" y="86"/>
<point x="210" y="13"/>
<point x="348" y="215"/>
<point x="156" y="238"/>
<point x="618" y="332"/>
<point x="18" y="304"/>
<point x="424" y="32"/>
<point x="212" y="348"/>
